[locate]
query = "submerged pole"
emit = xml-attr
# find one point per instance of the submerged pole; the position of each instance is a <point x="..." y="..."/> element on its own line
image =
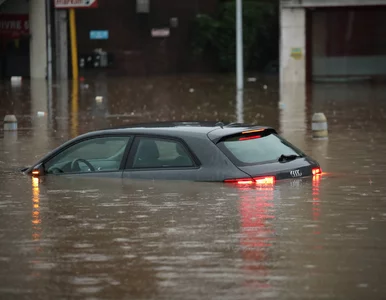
<point x="74" y="45"/>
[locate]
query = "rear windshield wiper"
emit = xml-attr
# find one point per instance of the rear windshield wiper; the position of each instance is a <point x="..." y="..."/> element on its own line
<point x="285" y="158"/>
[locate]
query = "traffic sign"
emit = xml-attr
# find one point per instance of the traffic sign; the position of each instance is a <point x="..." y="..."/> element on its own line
<point x="76" y="3"/>
<point x="99" y="35"/>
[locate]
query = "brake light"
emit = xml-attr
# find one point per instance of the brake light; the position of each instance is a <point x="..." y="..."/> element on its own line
<point x="252" y="181"/>
<point x="316" y="171"/>
<point x="265" y="180"/>
<point x="250" y="137"/>
<point x="35" y="172"/>
<point x="240" y="181"/>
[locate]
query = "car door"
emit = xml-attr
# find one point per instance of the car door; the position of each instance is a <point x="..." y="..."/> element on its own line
<point x="161" y="158"/>
<point x="101" y="156"/>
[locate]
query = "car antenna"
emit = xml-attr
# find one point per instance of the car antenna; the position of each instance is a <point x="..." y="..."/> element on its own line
<point x="221" y="124"/>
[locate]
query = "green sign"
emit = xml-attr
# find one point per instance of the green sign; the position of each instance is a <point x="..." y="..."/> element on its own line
<point x="297" y="53"/>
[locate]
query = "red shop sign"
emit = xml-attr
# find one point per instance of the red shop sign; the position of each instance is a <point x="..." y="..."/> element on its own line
<point x="76" y="3"/>
<point x="14" y="25"/>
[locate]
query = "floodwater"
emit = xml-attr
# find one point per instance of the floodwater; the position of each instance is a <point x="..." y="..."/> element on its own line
<point x="319" y="238"/>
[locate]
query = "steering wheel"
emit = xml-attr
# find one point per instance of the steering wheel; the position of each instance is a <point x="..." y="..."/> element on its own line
<point x="76" y="161"/>
<point x="55" y="170"/>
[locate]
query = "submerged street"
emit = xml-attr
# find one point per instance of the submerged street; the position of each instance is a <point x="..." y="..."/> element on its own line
<point x="314" y="238"/>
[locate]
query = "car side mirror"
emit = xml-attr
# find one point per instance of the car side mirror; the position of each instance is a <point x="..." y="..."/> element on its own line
<point x="38" y="170"/>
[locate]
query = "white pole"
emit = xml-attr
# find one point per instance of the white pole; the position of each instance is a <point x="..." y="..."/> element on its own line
<point x="49" y="42"/>
<point x="239" y="45"/>
<point x="61" y="33"/>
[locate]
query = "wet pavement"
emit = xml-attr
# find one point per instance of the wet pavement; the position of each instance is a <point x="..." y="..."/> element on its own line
<point x="318" y="238"/>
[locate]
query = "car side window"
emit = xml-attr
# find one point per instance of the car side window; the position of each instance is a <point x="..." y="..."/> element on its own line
<point x="161" y="153"/>
<point x="91" y="155"/>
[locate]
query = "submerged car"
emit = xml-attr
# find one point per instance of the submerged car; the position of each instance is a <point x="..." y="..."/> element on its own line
<point x="197" y="151"/>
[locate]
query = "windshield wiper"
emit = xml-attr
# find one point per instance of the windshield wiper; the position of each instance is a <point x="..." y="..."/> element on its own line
<point x="285" y="158"/>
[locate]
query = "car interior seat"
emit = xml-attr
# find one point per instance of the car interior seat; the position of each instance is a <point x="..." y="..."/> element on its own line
<point x="147" y="154"/>
<point x="182" y="160"/>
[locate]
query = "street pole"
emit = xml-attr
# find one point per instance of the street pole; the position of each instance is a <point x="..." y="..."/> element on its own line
<point x="74" y="46"/>
<point x="61" y="60"/>
<point x="49" y="42"/>
<point x="74" y="109"/>
<point x="239" y="45"/>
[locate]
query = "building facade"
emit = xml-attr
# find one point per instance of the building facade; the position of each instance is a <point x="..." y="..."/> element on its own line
<point x="17" y="43"/>
<point x="154" y="40"/>
<point x="332" y="40"/>
<point x="143" y="37"/>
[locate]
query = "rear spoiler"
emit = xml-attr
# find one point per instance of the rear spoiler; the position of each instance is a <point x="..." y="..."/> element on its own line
<point x="240" y="134"/>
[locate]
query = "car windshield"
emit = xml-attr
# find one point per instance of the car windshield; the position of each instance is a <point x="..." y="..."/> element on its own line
<point x="257" y="150"/>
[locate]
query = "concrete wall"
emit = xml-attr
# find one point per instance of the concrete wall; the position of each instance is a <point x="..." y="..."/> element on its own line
<point x="293" y="45"/>
<point x="293" y="112"/>
<point x="38" y="42"/>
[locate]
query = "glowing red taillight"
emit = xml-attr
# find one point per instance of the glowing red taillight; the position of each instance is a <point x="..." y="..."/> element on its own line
<point x="240" y="181"/>
<point x="265" y="180"/>
<point x="316" y="171"/>
<point x="252" y="181"/>
<point x="243" y="181"/>
<point x="250" y="137"/>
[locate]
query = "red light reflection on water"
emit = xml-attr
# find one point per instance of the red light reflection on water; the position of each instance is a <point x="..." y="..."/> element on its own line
<point x="316" y="210"/>
<point x="36" y="220"/>
<point x="257" y="234"/>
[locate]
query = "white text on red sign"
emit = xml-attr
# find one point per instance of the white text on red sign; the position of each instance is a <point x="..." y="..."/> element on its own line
<point x="75" y="3"/>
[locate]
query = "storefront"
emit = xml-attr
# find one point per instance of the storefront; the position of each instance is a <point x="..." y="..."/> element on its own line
<point x="23" y="38"/>
<point x="332" y="40"/>
<point x="14" y="45"/>
<point x="347" y="43"/>
<point x="144" y="37"/>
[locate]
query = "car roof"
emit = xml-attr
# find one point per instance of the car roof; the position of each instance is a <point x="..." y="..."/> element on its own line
<point x="171" y="126"/>
<point x="214" y="130"/>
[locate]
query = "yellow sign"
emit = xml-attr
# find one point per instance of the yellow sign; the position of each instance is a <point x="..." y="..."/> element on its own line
<point x="297" y="53"/>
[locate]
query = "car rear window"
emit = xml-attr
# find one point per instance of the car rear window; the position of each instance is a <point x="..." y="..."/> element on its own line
<point x="249" y="150"/>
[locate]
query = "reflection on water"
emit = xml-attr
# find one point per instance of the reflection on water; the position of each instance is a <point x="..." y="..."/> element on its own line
<point x="36" y="228"/>
<point x="316" y="210"/>
<point x="293" y="121"/>
<point x="240" y="107"/>
<point x="75" y="109"/>
<point x="36" y="219"/>
<point x="113" y="239"/>
<point x="256" y="211"/>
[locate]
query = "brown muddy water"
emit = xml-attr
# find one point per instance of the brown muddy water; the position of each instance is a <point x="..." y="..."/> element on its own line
<point x="319" y="238"/>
